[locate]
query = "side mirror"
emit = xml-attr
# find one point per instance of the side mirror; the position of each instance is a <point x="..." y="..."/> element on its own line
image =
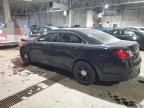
<point x="22" y="39"/>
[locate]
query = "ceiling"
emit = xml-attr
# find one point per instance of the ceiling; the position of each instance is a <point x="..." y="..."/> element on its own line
<point x="43" y="5"/>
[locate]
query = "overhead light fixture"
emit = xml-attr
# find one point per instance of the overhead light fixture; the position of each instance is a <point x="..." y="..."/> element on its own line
<point x="100" y="15"/>
<point x="65" y="13"/>
<point x="27" y="0"/>
<point x="106" y="6"/>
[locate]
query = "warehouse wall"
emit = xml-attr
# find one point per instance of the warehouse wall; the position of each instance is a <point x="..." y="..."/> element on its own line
<point x="58" y="19"/>
<point x="49" y="18"/>
<point x="129" y="16"/>
<point x="1" y="15"/>
<point x="79" y="17"/>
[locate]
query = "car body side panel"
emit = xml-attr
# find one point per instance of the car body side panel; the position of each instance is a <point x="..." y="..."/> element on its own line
<point x="101" y="57"/>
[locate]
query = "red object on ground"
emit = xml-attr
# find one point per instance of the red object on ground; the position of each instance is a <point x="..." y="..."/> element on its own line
<point x="2" y="37"/>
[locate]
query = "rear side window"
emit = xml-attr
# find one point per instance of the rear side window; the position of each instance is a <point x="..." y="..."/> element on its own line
<point x="70" y="38"/>
<point x="51" y="37"/>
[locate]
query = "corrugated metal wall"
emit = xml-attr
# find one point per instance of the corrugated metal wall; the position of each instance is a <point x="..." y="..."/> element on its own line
<point x="129" y="16"/>
<point x="58" y="19"/>
<point x="79" y="17"/>
<point x="49" y="18"/>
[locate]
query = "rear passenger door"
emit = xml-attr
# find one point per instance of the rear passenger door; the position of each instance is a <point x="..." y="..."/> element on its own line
<point x="69" y="47"/>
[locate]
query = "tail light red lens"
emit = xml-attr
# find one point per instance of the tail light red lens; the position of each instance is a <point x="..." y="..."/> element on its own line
<point x="21" y="45"/>
<point x="123" y="54"/>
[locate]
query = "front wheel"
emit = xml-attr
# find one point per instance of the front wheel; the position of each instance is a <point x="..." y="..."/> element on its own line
<point x="84" y="73"/>
<point x="25" y="56"/>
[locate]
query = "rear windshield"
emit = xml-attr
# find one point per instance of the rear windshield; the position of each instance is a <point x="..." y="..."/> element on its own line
<point x="102" y="37"/>
<point x="142" y="29"/>
<point x="139" y="33"/>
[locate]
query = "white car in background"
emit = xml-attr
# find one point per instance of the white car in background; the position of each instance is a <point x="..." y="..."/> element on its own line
<point x="44" y="30"/>
<point x="37" y="32"/>
<point x="2" y="36"/>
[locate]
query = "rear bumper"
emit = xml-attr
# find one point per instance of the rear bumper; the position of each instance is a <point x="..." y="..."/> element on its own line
<point x="120" y="77"/>
<point x="120" y="74"/>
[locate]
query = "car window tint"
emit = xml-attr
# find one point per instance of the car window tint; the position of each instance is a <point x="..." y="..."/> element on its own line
<point x="75" y="39"/>
<point x="65" y="37"/>
<point x="142" y="29"/>
<point x="48" y="28"/>
<point x="138" y="33"/>
<point x="131" y="28"/>
<point x="98" y="37"/>
<point x="56" y="38"/>
<point x="51" y="37"/>
<point x="115" y="32"/>
<point x="128" y="33"/>
<point x="70" y="38"/>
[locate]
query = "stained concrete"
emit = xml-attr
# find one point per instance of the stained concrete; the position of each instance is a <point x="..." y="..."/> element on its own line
<point x="59" y="88"/>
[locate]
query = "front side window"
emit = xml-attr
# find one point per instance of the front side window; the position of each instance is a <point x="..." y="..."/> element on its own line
<point x="51" y="37"/>
<point x="115" y="32"/>
<point x="70" y="38"/>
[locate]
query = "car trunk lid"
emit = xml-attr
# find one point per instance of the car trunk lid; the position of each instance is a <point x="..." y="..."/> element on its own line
<point x="131" y="46"/>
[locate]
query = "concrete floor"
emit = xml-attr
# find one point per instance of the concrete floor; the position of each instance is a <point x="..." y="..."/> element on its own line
<point x="44" y="87"/>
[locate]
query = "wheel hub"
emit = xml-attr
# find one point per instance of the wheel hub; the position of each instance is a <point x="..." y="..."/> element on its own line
<point x="25" y="56"/>
<point x="83" y="73"/>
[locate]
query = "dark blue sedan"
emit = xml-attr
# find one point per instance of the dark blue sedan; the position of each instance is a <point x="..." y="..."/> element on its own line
<point x="89" y="54"/>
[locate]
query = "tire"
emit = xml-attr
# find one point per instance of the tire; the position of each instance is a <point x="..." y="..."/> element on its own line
<point x="25" y="56"/>
<point x="84" y="73"/>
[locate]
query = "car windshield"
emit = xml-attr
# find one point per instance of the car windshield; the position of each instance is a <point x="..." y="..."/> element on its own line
<point x="100" y="36"/>
<point x="139" y="33"/>
<point x="142" y="29"/>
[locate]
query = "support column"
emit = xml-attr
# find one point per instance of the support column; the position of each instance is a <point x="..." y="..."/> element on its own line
<point x="70" y="18"/>
<point x="9" y="30"/>
<point x="6" y="11"/>
<point x="89" y="18"/>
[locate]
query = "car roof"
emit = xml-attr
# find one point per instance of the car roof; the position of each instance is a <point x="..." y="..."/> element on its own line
<point x="135" y="27"/>
<point x="74" y="29"/>
<point x="53" y="27"/>
<point x="119" y="29"/>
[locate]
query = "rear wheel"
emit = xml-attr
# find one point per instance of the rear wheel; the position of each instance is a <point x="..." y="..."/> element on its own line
<point x="25" y="56"/>
<point x="84" y="73"/>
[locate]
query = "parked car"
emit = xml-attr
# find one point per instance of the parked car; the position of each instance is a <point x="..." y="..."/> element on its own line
<point x="130" y="35"/>
<point x="35" y="32"/>
<point x="104" y="29"/>
<point x="140" y="29"/>
<point x="89" y="54"/>
<point x="44" y="30"/>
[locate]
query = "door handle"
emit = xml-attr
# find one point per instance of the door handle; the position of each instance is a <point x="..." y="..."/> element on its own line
<point x="74" y="48"/>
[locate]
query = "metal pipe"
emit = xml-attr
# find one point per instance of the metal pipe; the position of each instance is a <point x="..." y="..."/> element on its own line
<point x="126" y="3"/>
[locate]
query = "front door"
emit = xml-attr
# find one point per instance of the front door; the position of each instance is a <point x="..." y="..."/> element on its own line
<point x="43" y="49"/>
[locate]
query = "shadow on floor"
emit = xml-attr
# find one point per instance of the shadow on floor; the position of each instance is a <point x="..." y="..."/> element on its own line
<point x="128" y="93"/>
<point x="9" y="47"/>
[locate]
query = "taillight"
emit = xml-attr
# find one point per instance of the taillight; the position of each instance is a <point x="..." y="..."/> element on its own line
<point x="21" y="45"/>
<point x="123" y="54"/>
